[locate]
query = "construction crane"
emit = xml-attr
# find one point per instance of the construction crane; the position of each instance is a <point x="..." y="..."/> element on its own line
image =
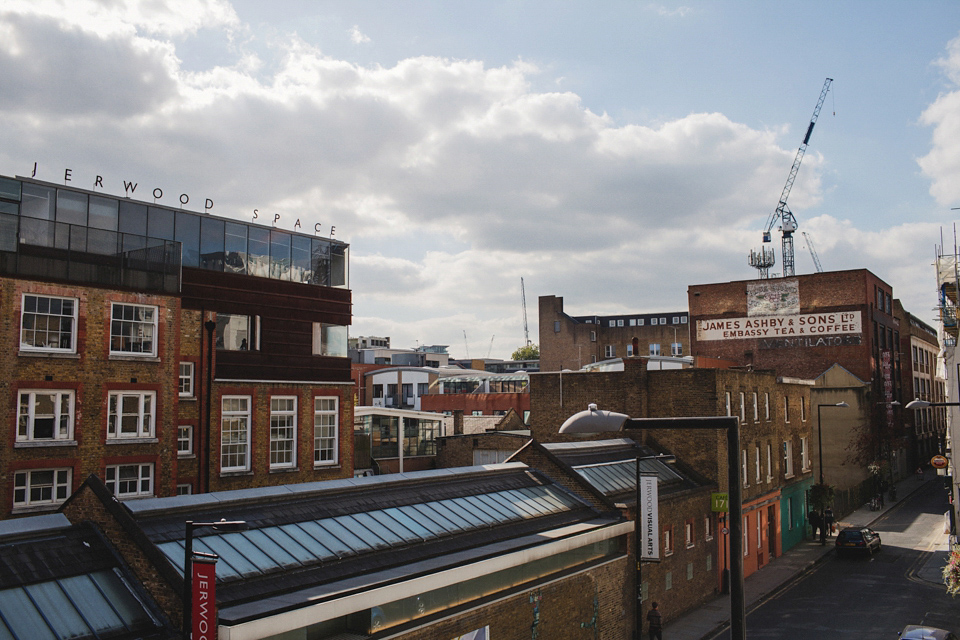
<point x="523" y="298"/>
<point x="813" y="252"/>
<point x="465" y="345"/>
<point x="788" y="224"/>
<point x="490" y="350"/>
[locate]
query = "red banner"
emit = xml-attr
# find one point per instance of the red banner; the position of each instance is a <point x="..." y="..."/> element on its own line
<point x="204" y="616"/>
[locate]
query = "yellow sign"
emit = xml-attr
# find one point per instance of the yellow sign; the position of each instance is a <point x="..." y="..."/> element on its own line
<point x="938" y="462"/>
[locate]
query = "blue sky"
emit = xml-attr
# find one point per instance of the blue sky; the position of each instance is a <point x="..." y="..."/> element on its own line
<point x="611" y="153"/>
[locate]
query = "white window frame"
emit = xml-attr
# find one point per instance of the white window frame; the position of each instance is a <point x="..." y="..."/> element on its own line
<point x="787" y="459"/>
<point x="655" y="348"/>
<point x="185" y="489"/>
<point x="688" y="533"/>
<point x="235" y="425"/>
<point x="185" y="380"/>
<point x="119" y="330"/>
<point x="726" y="397"/>
<point x="143" y="481"/>
<point x="803" y="409"/>
<point x="759" y="531"/>
<point x="676" y="349"/>
<point x="756" y="408"/>
<point x="145" y="416"/>
<point x="609" y="351"/>
<point x="26" y="415"/>
<point x="37" y="315"/>
<point x="769" y="462"/>
<point x="326" y="446"/>
<point x="786" y="409"/>
<point x="653" y="321"/>
<point x="746" y="536"/>
<point x="766" y="405"/>
<point x="804" y="455"/>
<point x="708" y="528"/>
<point x="743" y="408"/>
<point x="640" y="322"/>
<point x="743" y="468"/>
<point x="758" y="474"/>
<point x="283" y="418"/>
<point x="668" y="541"/>
<point x="184" y="440"/>
<point x="59" y="488"/>
<point x="613" y="323"/>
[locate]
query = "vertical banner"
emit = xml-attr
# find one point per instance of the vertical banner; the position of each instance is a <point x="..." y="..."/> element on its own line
<point x="649" y="518"/>
<point x="204" y="606"/>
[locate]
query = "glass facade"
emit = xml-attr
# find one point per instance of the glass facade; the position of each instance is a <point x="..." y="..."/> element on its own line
<point x="49" y="216"/>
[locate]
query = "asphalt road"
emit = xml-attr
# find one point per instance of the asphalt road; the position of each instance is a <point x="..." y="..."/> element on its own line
<point x="868" y="597"/>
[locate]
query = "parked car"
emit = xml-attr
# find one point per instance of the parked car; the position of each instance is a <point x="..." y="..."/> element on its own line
<point x="921" y="632"/>
<point x="856" y="540"/>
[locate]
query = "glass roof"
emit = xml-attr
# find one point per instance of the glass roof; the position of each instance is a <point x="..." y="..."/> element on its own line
<point x="274" y="548"/>
<point x="620" y="476"/>
<point x="86" y="606"/>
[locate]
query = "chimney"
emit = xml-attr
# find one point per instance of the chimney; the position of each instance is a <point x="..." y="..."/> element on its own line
<point x="458" y="422"/>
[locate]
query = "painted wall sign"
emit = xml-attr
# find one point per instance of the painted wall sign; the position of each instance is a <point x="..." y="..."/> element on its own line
<point x="204" y="617"/>
<point x="804" y="343"/>
<point x="804" y="324"/>
<point x="773" y="298"/>
<point x="648" y="513"/>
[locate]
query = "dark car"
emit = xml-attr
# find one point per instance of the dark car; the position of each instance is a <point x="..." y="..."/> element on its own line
<point x="921" y="632"/>
<point x="857" y="540"/>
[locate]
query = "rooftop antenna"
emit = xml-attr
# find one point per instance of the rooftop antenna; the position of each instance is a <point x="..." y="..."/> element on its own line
<point x="523" y="298"/>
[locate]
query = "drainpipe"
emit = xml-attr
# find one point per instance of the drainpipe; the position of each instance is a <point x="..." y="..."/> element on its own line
<point x="204" y="471"/>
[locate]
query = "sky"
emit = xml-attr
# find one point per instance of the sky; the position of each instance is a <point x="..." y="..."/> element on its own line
<point x="611" y="153"/>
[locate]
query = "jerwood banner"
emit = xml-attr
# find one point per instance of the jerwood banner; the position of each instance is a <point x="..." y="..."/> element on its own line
<point x="802" y="324"/>
<point x="204" y="614"/>
<point x="649" y="517"/>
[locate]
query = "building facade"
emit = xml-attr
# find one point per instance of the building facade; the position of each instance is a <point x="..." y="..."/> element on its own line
<point x="165" y="351"/>
<point x="571" y="342"/>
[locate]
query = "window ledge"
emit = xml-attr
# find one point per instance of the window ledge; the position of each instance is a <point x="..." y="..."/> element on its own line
<point x="36" y="508"/>
<point x="787" y="476"/>
<point x="319" y="467"/>
<point x="285" y="470"/>
<point x="186" y="456"/>
<point x="49" y="354"/>
<point x="187" y="398"/>
<point x="39" y="444"/>
<point x="236" y="474"/>
<point x="133" y="357"/>
<point x="132" y="441"/>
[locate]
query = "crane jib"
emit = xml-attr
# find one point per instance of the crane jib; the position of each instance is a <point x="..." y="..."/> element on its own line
<point x="806" y="138"/>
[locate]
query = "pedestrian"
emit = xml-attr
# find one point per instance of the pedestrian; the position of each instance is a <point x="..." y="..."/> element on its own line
<point x="814" y="519"/>
<point x="656" y="622"/>
<point x="828" y="521"/>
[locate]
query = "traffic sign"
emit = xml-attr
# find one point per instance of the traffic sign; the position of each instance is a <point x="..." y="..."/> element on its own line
<point x="938" y="462"/>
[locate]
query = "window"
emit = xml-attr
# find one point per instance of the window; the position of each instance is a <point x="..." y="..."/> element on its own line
<point x="663" y="321"/>
<point x="39" y="487"/>
<point x="688" y="533"/>
<point x="746" y="536"/>
<point x="633" y="322"/>
<point x="45" y="416"/>
<point x="786" y="409"/>
<point x="804" y="455"/>
<point x="283" y="432"/>
<point x="235" y="433"/>
<point x="184" y="489"/>
<point x="653" y="321"/>
<point x="743" y="469"/>
<point x="676" y="320"/>
<point x="185" y="388"/>
<point x="756" y="408"/>
<point x="683" y="319"/>
<point x="326" y="419"/>
<point x="619" y="323"/>
<point x="766" y="405"/>
<point x="689" y="571"/>
<point x="803" y="409"/>
<point x="676" y="349"/>
<point x="476" y="412"/>
<point x="613" y="323"/>
<point x="130" y="414"/>
<point x="423" y="388"/>
<point x="609" y="351"/>
<point x="790" y="513"/>
<point x="593" y="336"/>
<point x="654" y="348"/>
<point x="726" y="397"/>
<point x="133" y="328"/>
<point x="787" y="459"/>
<point x="709" y="562"/>
<point x="406" y="390"/>
<point x="48" y="323"/>
<point x="130" y="480"/>
<point x="769" y="462"/>
<point x="759" y="530"/>
<point x="756" y="461"/>
<point x="629" y="350"/>
<point x="185" y="440"/>
<point x="668" y="541"/>
<point x="668" y="581"/>
<point x="639" y="322"/>
<point x="556" y="326"/>
<point x="234" y="332"/>
<point x="743" y="408"/>
<point x="708" y="528"/>
<point x="329" y="340"/>
<point x="378" y="391"/>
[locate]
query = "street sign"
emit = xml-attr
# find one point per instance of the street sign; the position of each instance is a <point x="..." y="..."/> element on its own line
<point x="719" y="502"/>
<point x="938" y="462"/>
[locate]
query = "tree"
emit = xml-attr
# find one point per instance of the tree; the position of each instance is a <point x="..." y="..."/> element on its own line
<point x="529" y="352"/>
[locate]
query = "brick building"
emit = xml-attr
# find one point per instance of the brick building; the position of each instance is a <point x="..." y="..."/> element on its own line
<point x="165" y="351"/>
<point x="775" y="416"/>
<point x="571" y="342"/>
<point x="801" y="327"/>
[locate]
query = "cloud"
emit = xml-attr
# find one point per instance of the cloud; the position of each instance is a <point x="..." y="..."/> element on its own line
<point x="942" y="164"/>
<point x="357" y="37"/>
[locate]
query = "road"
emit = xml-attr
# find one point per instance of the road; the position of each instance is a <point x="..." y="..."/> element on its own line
<point x="868" y="597"/>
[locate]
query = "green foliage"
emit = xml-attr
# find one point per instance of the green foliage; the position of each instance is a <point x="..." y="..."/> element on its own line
<point x="951" y="572"/>
<point x="821" y="496"/>
<point x="529" y="352"/>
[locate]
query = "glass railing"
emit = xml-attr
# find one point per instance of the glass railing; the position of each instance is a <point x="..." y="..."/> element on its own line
<point x="33" y="247"/>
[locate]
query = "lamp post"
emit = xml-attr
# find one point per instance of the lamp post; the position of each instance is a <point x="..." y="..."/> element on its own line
<point x="594" y="421"/>
<point x="226" y="526"/>
<point x="823" y="531"/>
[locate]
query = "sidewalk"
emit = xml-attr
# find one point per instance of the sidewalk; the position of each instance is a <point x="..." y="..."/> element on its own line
<point x="712" y="617"/>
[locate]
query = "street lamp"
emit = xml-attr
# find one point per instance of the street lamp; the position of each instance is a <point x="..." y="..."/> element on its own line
<point x="594" y="421"/>
<point x="226" y="526"/>
<point x="823" y="531"/>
